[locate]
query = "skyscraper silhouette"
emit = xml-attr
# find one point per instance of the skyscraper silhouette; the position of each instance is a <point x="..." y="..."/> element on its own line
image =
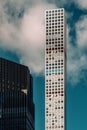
<point x="16" y="97"/>
<point x="55" y="69"/>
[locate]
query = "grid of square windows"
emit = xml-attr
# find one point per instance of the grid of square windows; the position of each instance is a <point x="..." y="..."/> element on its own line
<point x="54" y="67"/>
<point x="54" y="22"/>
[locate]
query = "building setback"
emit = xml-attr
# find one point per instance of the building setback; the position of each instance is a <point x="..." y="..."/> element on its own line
<point x="16" y="97"/>
<point x="55" y="70"/>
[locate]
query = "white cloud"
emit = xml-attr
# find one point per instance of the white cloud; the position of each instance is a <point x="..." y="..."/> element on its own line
<point x="77" y="55"/>
<point x="81" y="30"/>
<point x="27" y="39"/>
<point x="81" y="3"/>
<point x="60" y="3"/>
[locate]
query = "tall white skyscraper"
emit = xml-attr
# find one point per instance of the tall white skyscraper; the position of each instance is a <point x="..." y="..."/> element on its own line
<point x="55" y="70"/>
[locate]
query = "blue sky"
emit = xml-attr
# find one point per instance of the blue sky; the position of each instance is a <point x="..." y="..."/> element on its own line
<point x="22" y="39"/>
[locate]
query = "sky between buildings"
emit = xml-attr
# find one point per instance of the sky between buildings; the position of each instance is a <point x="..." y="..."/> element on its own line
<point x="22" y="39"/>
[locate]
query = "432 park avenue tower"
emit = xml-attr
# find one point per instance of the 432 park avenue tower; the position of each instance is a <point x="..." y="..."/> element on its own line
<point x="55" y="58"/>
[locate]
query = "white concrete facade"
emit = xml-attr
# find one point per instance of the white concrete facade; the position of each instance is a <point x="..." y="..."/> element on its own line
<point x="55" y="69"/>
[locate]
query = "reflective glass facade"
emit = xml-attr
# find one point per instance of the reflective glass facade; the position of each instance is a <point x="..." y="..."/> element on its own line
<point x="16" y="101"/>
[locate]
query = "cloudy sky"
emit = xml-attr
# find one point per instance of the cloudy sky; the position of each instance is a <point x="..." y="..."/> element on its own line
<point x="22" y="39"/>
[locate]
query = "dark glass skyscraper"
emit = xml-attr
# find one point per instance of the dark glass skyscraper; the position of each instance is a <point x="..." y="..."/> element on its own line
<point x="16" y="97"/>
